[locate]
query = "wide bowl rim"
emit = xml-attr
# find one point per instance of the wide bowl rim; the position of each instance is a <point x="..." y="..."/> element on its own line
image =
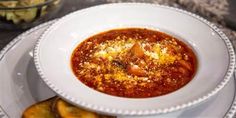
<point x="114" y="111"/>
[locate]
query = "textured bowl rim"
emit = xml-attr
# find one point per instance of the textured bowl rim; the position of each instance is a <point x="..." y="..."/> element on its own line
<point x="114" y="111"/>
<point x="232" y="111"/>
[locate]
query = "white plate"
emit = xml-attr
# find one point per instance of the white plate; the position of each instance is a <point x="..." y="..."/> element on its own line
<point x="216" y="58"/>
<point x="21" y="86"/>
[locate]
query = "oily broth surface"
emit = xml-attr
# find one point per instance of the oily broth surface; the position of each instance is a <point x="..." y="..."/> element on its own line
<point x="134" y="63"/>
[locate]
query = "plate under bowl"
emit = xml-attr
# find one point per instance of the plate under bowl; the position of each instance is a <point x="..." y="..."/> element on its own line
<point x="214" y="51"/>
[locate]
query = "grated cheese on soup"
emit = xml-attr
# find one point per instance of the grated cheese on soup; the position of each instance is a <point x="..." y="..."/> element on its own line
<point x="134" y="62"/>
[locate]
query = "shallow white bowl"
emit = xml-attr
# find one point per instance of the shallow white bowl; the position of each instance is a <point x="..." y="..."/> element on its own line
<point x="214" y="51"/>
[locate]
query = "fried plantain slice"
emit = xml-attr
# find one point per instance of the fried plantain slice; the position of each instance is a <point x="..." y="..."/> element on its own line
<point x="40" y="110"/>
<point x="66" y="110"/>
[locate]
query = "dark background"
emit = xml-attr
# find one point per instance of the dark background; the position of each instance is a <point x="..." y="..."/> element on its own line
<point x="69" y="6"/>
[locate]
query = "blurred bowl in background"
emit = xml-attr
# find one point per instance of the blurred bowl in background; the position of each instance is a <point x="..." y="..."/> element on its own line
<point x="24" y="14"/>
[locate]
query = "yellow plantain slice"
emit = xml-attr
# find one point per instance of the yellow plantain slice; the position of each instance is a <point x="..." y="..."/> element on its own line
<point x="40" y="110"/>
<point x="66" y="110"/>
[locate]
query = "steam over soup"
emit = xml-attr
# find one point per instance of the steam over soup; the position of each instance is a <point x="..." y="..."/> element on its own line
<point x="134" y="63"/>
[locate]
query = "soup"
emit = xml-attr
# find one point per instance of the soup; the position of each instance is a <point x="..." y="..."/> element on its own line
<point x="134" y="63"/>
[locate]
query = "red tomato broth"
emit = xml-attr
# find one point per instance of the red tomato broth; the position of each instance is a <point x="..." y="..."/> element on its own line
<point x="134" y="63"/>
